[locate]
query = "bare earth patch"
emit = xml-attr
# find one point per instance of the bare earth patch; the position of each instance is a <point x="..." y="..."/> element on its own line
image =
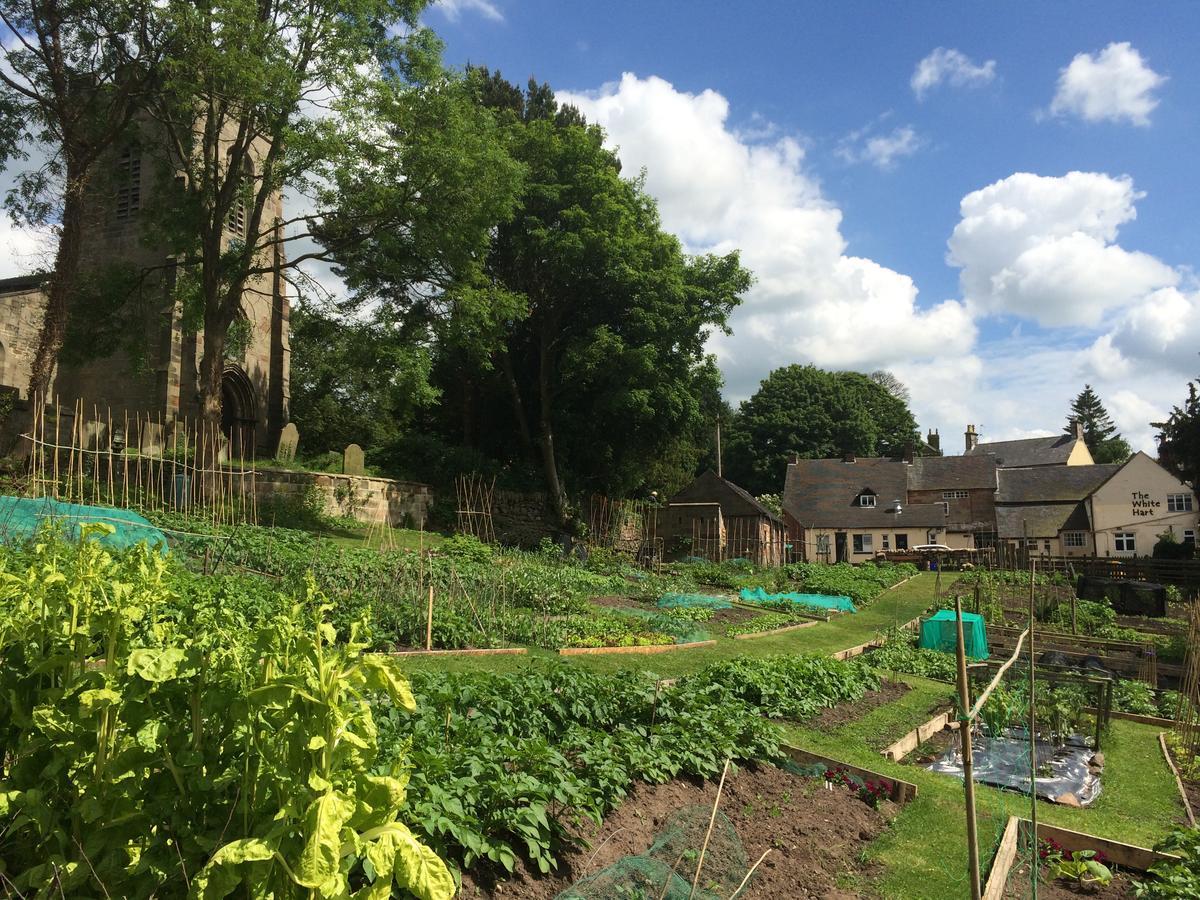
<point x="815" y="836"/>
<point x="845" y="713"/>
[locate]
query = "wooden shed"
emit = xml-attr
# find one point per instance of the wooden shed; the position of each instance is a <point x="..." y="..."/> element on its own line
<point x="714" y="519"/>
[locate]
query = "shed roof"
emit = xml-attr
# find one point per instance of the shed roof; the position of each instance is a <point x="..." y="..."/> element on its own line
<point x="824" y="493"/>
<point x="733" y="500"/>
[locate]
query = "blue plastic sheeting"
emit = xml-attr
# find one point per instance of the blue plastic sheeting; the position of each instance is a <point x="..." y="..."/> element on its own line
<point x="816" y="601"/>
<point x="21" y="517"/>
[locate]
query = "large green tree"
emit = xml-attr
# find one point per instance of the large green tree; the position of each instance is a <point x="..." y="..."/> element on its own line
<point x="816" y="414"/>
<point x="1179" y="437"/>
<point x="73" y="75"/>
<point x="607" y="367"/>
<point x="579" y="351"/>
<point x="342" y="104"/>
<point x="1100" y="433"/>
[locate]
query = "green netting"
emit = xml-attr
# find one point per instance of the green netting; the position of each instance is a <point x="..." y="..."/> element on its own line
<point x="21" y="517"/>
<point x="682" y="630"/>
<point x="939" y="632"/>
<point x="667" y="868"/>
<point x="816" y="601"/>
<point x="704" y="601"/>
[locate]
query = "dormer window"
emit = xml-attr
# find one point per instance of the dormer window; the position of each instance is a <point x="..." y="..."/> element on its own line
<point x="866" y="499"/>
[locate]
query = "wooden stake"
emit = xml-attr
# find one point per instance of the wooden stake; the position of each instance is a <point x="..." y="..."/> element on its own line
<point x="712" y="820"/>
<point x="1034" y="858"/>
<point x="429" y="620"/>
<point x="964" y="732"/>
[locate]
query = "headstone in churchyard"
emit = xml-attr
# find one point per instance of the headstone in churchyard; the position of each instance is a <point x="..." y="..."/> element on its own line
<point x="289" y="439"/>
<point x="352" y="461"/>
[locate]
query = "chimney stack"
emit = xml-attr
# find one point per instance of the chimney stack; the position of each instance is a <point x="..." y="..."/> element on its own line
<point x="1078" y="428"/>
<point x="934" y="440"/>
<point x="793" y="458"/>
<point x="910" y="453"/>
<point x="972" y="439"/>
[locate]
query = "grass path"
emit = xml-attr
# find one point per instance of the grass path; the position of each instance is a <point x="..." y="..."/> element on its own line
<point x="895" y="606"/>
<point x="923" y="853"/>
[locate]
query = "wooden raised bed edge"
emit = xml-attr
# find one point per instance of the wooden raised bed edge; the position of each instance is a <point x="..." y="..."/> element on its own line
<point x="471" y="652"/>
<point x="851" y="652"/>
<point x="902" y="791"/>
<point x="1006" y="855"/>
<point x="653" y="648"/>
<point x="1127" y="856"/>
<point x="784" y="629"/>
<point x="1187" y="806"/>
<point x="919" y="735"/>
<point x="1134" y="717"/>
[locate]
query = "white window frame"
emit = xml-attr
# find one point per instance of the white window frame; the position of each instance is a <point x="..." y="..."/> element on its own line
<point x="1031" y="543"/>
<point x="862" y="543"/>
<point x="823" y="543"/>
<point x="887" y="544"/>
<point x="867" y="500"/>
<point x="1189" y="534"/>
<point x="1074" y="539"/>
<point x="1125" y="542"/>
<point x="954" y="495"/>
<point x="946" y="507"/>
<point x="899" y="536"/>
<point x="1179" y="503"/>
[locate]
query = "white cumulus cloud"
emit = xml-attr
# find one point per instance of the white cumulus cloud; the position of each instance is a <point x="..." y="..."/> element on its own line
<point x="455" y="9"/>
<point x="1044" y="248"/>
<point x="949" y="66"/>
<point x="1113" y="85"/>
<point x="880" y="150"/>
<point x="813" y="301"/>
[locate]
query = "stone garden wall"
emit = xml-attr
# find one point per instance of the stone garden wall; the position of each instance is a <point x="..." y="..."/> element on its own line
<point x="522" y="519"/>
<point x="405" y="503"/>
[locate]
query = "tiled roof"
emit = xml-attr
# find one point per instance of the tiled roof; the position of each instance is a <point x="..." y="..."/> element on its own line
<point x="1042" y="484"/>
<point x="939" y="473"/>
<point x="824" y="493"/>
<point x="734" y="501"/>
<point x="1040" y="451"/>
<point x="1044" y="520"/>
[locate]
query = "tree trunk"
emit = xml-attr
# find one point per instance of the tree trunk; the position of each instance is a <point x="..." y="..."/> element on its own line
<point x="62" y="280"/>
<point x="510" y="379"/>
<point x="558" y="499"/>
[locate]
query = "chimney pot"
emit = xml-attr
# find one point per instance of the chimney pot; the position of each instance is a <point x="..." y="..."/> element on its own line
<point x="972" y="439"/>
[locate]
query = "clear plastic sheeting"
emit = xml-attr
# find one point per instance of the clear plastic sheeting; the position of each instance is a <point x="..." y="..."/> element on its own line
<point x="1066" y="774"/>
<point x="816" y="601"/>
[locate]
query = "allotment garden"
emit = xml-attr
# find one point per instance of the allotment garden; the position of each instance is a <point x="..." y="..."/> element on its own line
<point x="264" y="712"/>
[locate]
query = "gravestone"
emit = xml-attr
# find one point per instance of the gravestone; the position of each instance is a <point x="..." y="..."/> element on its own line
<point x="352" y="461"/>
<point x="289" y="439"/>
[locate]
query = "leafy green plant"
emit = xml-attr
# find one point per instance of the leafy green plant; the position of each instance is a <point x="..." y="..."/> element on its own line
<point x="147" y="750"/>
<point x="1083" y="868"/>
<point x="764" y="622"/>
<point x="900" y="653"/>
<point x="1174" y="879"/>
<point x="999" y="711"/>
<point x="793" y="687"/>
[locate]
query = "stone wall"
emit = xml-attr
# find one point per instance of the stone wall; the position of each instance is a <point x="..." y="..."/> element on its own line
<point x="405" y="503"/>
<point x="522" y="519"/>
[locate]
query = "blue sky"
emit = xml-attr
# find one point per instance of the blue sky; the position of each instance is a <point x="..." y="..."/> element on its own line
<point x="802" y="134"/>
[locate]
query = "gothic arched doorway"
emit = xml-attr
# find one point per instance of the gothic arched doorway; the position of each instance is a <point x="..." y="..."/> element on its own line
<point x="239" y="412"/>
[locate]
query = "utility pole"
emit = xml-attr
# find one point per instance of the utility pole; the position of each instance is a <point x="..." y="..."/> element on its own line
<point x="719" y="473"/>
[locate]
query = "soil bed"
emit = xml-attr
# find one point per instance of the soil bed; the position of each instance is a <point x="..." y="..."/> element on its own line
<point x="815" y="836"/>
<point x="1018" y="887"/>
<point x="1191" y="787"/>
<point x="845" y="713"/>
<point x="933" y="748"/>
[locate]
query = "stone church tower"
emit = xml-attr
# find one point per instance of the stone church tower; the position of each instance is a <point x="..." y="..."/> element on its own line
<point x="164" y="382"/>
